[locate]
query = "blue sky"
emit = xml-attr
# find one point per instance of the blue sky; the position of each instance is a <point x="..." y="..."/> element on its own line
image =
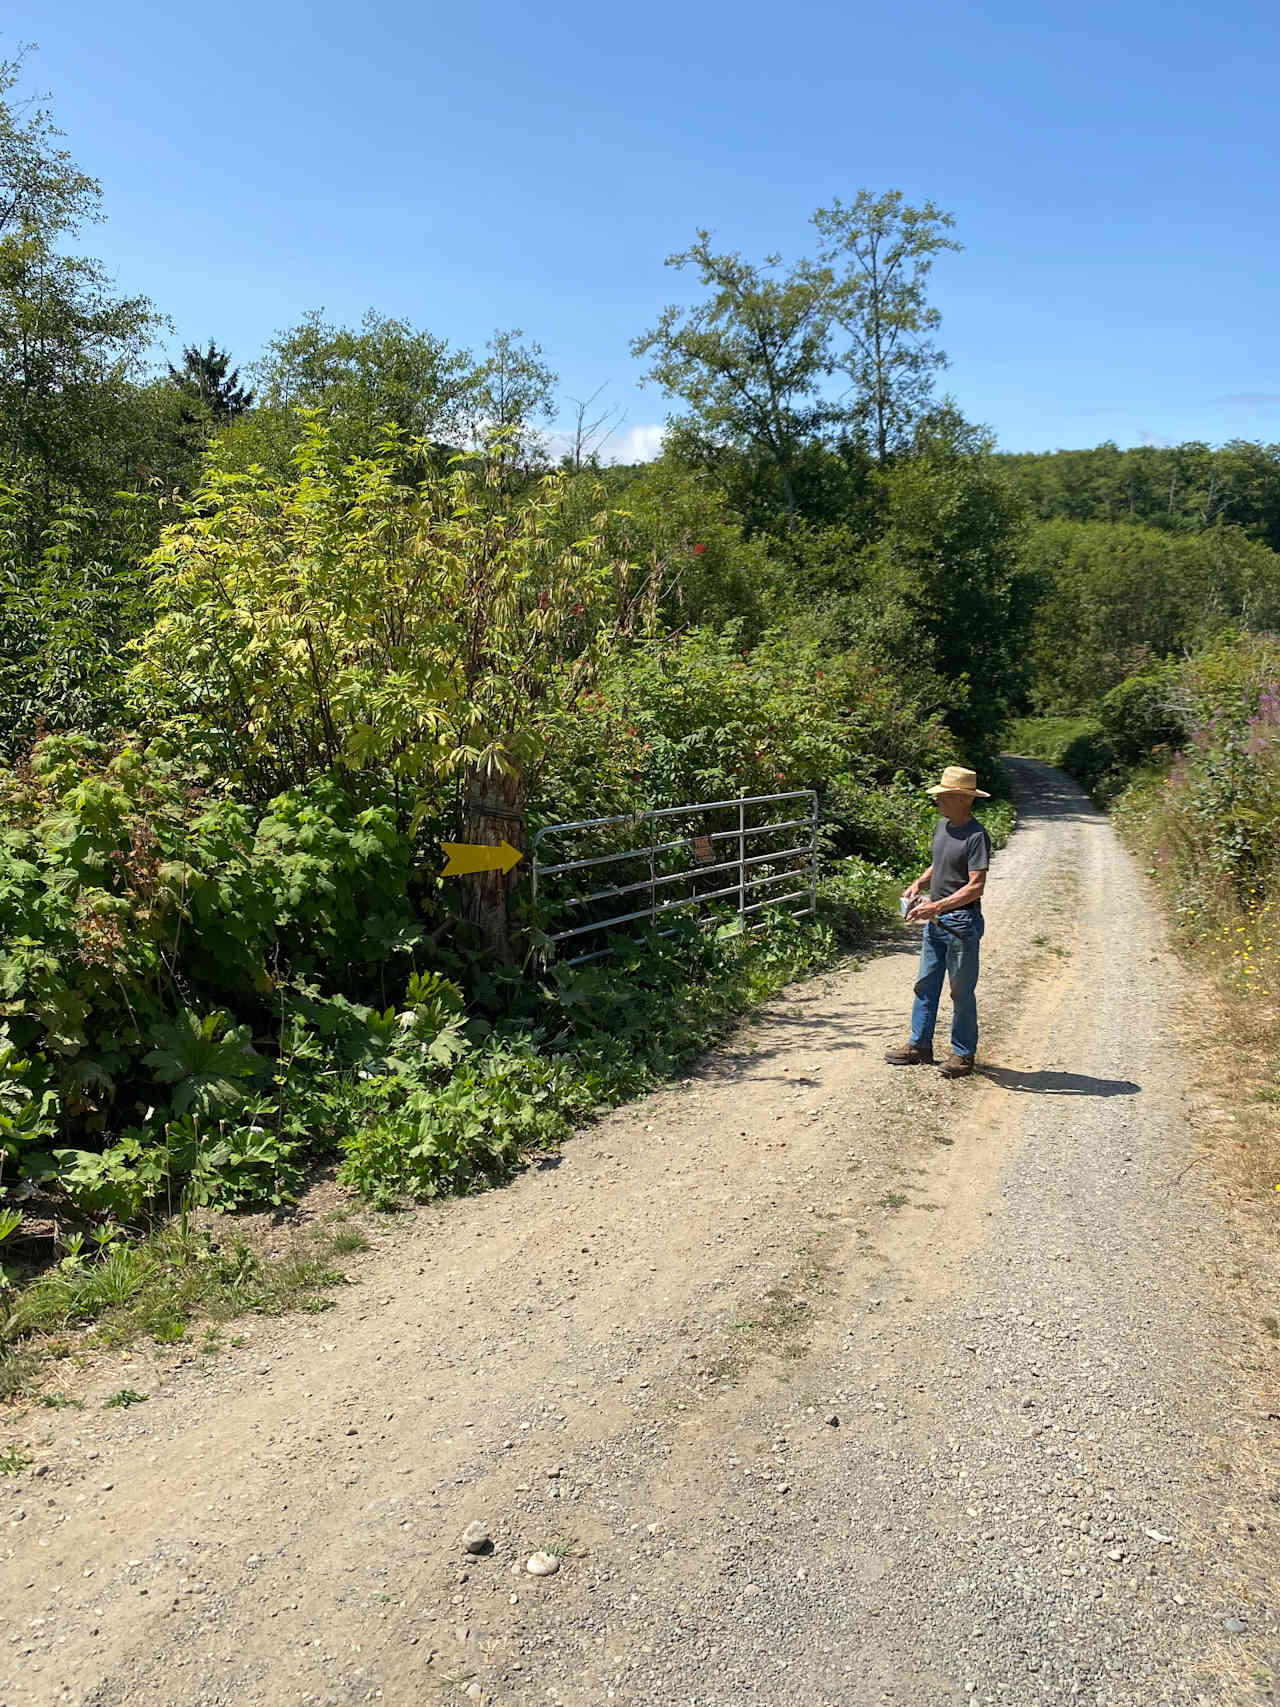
<point x="1112" y="170"/>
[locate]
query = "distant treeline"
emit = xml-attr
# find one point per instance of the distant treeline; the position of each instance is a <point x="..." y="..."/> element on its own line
<point x="1186" y="488"/>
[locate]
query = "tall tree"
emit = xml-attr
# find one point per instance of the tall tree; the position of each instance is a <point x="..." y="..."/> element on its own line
<point x="42" y="191"/>
<point x="78" y="441"/>
<point x="70" y="346"/>
<point x="514" y="392"/>
<point x="750" y="359"/>
<point x="204" y="379"/>
<point x="877" y="254"/>
<point x="945" y="584"/>
<point x="360" y="382"/>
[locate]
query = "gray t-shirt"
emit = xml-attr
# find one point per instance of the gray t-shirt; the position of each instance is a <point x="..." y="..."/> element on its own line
<point x="958" y="849"/>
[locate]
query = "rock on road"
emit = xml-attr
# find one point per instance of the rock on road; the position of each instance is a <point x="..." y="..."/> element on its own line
<point x="826" y="1383"/>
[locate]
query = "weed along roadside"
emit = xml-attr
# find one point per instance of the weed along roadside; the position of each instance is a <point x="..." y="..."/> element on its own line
<point x="476" y="1100"/>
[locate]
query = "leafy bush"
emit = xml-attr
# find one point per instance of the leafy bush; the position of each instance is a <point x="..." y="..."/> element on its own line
<point x="152" y="940"/>
<point x="946" y="585"/>
<point x="373" y="615"/>
<point x="1137" y="724"/>
<point x="67" y="614"/>
<point x="605" y="1031"/>
<point x="703" y="717"/>
<point x="1144" y="714"/>
<point x="1210" y="820"/>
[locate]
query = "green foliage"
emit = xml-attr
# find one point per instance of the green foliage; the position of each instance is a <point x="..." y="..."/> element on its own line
<point x="1137" y="724"/>
<point x="10" y="1221"/>
<point x="1209" y="821"/>
<point x="1187" y="488"/>
<point x="424" y="641"/>
<point x="1144" y="715"/>
<point x="124" y="1398"/>
<point x="703" y="717"/>
<point x="138" y="914"/>
<point x="156" y="1286"/>
<point x="753" y="359"/>
<point x="513" y="394"/>
<point x="675" y="526"/>
<point x="201" y="1059"/>
<point x="209" y="385"/>
<point x="1116" y="598"/>
<point x="1049" y="738"/>
<point x="749" y="360"/>
<point x="68" y="610"/>
<point x="361" y="383"/>
<point x="945" y="586"/>
<point x="69" y="345"/>
<point x="877" y="254"/>
<point x="606" y="1031"/>
<point x="90" y="452"/>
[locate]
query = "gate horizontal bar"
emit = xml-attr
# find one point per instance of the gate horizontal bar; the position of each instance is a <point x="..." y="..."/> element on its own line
<point x="650" y="912"/>
<point x="618" y="889"/>
<point x="647" y="848"/>
<point x="748" y="875"/>
<point x="637" y="818"/>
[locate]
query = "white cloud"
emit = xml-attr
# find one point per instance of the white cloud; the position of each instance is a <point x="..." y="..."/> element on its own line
<point x="628" y="444"/>
<point x="636" y="444"/>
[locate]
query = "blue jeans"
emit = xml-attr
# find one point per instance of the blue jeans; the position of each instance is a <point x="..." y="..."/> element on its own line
<point x="955" y="952"/>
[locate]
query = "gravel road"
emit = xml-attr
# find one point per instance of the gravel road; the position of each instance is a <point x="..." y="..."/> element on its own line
<point x="826" y="1383"/>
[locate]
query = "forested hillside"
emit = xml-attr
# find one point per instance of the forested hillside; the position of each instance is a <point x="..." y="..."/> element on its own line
<point x="273" y="631"/>
<point x="1184" y="488"/>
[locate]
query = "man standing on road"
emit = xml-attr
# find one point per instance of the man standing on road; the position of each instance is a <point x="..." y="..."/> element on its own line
<point x="953" y="926"/>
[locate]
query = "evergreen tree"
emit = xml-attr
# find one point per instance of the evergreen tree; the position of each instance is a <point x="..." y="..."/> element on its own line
<point x="204" y="379"/>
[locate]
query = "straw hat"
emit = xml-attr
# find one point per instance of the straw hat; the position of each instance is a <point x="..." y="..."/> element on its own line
<point x="957" y="780"/>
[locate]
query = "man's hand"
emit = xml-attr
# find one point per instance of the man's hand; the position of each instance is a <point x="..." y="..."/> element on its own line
<point x="924" y="909"/>
<point x="914" y="890"/>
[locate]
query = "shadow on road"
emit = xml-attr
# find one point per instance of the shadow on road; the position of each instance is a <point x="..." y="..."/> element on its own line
<point x="1043" y="792"/>
<point x="1058" y="1084"/>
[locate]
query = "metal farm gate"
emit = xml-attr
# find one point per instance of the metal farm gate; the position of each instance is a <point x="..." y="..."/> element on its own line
<point x="748" y="855"/>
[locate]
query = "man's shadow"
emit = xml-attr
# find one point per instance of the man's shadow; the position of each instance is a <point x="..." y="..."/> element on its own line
<point x="1058" y="1084"/>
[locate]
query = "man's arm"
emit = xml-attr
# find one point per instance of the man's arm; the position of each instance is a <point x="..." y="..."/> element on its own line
<point x="972" y="891"/>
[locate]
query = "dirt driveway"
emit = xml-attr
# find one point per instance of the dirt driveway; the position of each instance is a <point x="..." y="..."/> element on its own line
<point x="828" y="1385"/>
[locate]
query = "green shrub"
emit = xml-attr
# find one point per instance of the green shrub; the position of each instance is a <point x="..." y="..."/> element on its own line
<point x="704" y="717"/>
<point x="152" y="940"/>
<point x="1144" y="715"/>
<point x="1136" y="724"/>
<point x="606" y="1032"/>
<point x="1209" y="821"/>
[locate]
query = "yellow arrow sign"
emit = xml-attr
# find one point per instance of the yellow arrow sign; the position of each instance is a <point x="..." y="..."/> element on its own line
<point x="464" y="857"/>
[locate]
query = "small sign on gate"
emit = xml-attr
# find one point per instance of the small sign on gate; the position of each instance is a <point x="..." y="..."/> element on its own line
<point x="703" y="852"/>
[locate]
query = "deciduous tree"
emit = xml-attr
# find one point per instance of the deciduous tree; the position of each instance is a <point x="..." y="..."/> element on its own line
<point x="748" y="360"/>
<point x="876" y="256"/>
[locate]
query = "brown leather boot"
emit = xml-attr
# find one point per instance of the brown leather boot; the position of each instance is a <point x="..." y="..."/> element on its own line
<point x="956" y="1067"/>
<point x="910" y="1056"/>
